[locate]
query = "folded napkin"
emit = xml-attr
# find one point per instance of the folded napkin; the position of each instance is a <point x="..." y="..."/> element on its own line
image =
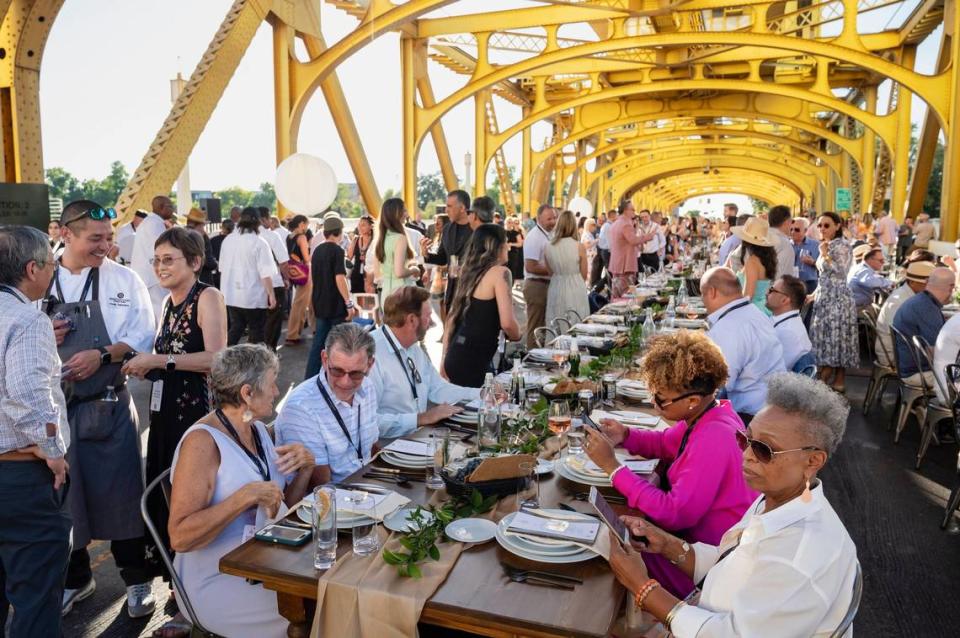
<point x="601" y="545"/>
<point x="539" y="524"/>
<point x="376" y="506"/>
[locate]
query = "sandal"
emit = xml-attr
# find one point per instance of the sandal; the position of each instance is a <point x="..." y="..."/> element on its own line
<point x="178" y="627"/>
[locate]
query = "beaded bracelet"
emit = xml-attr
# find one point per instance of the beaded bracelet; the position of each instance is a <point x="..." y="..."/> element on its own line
<point x="641" y="595"/>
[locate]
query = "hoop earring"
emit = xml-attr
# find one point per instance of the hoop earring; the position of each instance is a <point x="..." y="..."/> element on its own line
<point x="806" y="496"/>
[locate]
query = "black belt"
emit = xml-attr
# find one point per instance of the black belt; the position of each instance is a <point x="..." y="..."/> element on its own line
<point x="546" y="281"/>
<point x="96" y="397"/>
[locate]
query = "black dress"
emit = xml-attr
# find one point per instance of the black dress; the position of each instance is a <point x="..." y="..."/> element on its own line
<point x="357" y="275"/>
<point x="515" y="256"/>
<point x="186" y="398"/>
<point x="473" y="344"/>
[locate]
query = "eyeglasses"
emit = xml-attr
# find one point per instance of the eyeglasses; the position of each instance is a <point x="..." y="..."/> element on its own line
<point x="795" y="230"/>
<point x="779" y="292"/>
<point x="661" y="403"/>
<point x="763" y="451"/>
<point x="355" y="375"/>
<point x="166" y="261"/>
<point x="823" y="225"/>
<point x="97" y="214"/>
<point x="414" y="372"/>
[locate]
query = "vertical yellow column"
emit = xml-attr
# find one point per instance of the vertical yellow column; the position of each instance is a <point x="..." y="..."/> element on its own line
<point x="526" y="167"/>
<point x="281" y="96"/>
<point x="867" y="175"/>
<point x="480" y="144"/>
<point x="950" y="191"/>
<point x="901" y="152"/>
<point x="408" y="90"/>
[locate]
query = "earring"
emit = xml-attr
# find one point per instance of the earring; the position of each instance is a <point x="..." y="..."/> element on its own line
<point x="247" y="416"/>
<point x="806" y="497"/>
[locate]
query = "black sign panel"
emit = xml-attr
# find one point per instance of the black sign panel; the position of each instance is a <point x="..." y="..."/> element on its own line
<point x="25" y="205"/>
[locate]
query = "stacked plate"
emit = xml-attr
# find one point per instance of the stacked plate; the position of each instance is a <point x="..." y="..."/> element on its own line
<point x="542" y="355"/>
<point x="345" y="520"/>
<point x="410" y="461"/>
<point x="690" y="324"/>
<point x="633" y="390"/>
<point x="544" y="550"/>
<point x="573" y="468"/>
<point x="595" y="329"/>
<point x="601" y="318"/>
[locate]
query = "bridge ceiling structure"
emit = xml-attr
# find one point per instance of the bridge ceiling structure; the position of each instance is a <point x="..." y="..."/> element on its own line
<point x="656" y="100"/>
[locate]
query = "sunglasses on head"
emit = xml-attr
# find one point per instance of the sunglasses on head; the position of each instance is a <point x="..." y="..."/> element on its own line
<point x="762" y="451"/>
<point x="97" y="214"/>
<point x="355" y="375"/>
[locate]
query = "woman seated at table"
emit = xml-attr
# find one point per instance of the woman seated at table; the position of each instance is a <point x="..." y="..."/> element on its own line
<point x="788" y="568"/>
<point x="228" y="479"/>
<point x="702" y="492"/>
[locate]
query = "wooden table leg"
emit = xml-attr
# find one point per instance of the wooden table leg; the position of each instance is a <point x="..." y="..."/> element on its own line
<point x="298" y="611"/>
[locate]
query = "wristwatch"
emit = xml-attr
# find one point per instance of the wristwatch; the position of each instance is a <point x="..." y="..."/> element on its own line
<point x="171" y="364"/>
<point x="685" y="546"/>
<point x="104" y="355"/>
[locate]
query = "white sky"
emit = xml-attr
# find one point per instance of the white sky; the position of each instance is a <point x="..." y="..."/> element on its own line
<point x="105" y="92"/>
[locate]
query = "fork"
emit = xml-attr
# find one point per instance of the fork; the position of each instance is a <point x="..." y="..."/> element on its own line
<point x="534" y="580"/>
<point x="538" y="574"/>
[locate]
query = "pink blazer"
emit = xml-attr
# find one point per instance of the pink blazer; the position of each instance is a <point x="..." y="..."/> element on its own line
<point x="623" y="254"/>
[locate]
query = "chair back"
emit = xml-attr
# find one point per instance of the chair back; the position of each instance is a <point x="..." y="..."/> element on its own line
<point x="890" y="356"/>
<point x="183" y="601"/>
<point x="561" y="325"/>
<point x="573" y="316"/>
<point x="543" y="336"/>
<point x="844" y="625"/>
<point x="922" y="349"/>
<point x="805" y="364"/>
<point x="898" y="336"/>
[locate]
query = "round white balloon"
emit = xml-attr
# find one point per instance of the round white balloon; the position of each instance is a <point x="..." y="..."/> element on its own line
<point x="581" y="205"/>
<point x="306" y="184"/>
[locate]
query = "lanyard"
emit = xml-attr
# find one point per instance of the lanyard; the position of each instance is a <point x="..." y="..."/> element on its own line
<point x="10" y="292"/>
<point x="731" y="309"/>
<point x="336" y="414"/>
<point x="406" y="373"/>
<point x="787" y="318"/>
<point x="260" y="460"/>
<point x="93" y="279"/>
<point x="166" y="331"/>
<point x="683" y="445"/>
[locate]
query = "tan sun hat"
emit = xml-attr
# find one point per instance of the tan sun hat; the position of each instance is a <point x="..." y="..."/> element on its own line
<point x="756" y="231"/>
<point x="861" y="251"/>
<point x="196" y="216"/>
<point x="919" y="271"/>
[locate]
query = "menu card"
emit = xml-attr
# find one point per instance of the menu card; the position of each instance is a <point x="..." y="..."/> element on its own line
<point x="637" y="466"/>
<point x="411" y="447"/>
<point x="578" y="531"/>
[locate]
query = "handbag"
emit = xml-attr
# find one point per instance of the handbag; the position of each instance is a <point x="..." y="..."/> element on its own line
<point x="299" y="273"/>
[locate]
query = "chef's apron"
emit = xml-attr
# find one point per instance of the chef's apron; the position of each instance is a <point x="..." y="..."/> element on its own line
<point x="104" y="456"/>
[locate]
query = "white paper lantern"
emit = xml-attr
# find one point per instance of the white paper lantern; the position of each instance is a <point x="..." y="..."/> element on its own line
<point x="305" y="184"/>
<point x="581" y="205"/>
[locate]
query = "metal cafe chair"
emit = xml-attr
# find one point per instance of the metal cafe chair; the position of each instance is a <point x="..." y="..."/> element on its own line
<point x="867" y="326"/>
<point x="183" y="601"/>
<point x="934" y="410"/>
<point x="561" y="325"/>
<point x="844" y="625"/>
<point x="907" y="394"/>
<point x="953" y="378"/>
<point x="881" y="374"/>
<point x="543" y="335"/>
<point x="573" y="316"/>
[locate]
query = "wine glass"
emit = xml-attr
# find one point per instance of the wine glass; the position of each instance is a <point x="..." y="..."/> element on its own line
<point x="500" y="393"/>
<point x="558" y="420"/>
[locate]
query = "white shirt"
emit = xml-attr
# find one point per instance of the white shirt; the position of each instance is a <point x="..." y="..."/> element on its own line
<point x="126" y="235"/>
<point x="398" y="410"/>
<point x="603" y="240"/>
<point x="792" y="574"/>
<point x="655" y="244"/>
<point x="786" y="257"/>
<point x="124" y="302"/>
<point x="279" y="249"/>
<point x="283" y="232"/>
<point x="245" y="259"/>
<point x="945" y="352"/>
<point x="885" y="319"/>
<point x="793" y="337"/>
<point x="306" y="418"/>
<point x="751" y="349"/>
<point x="533" y="247"/>
<point x="146" y="236"/>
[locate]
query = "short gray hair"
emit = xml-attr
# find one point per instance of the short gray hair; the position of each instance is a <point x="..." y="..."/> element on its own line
<point x="824" y="412"/>
<point x="19" y="245"/>
<point x="350" y="338"/>
<point x="237" y="366"/>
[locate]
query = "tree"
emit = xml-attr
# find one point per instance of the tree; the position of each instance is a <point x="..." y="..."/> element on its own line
<point x="430" y="189"/>
<point x="234" y="196"/>
<point x="266" y="196"/>
<point x="63" y="184"/>
<point x="346" y="202"/>
<point x="759" y="206"/>
<point x="105" y="192"/>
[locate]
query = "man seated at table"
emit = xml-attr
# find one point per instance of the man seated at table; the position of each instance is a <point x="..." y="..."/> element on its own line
<point x="334" y="414"/>
<point x="915" y="282"/>
<point x="784" y="299"/>
<point x="865" y="279"/>
<point x="403" y="376"/>
<point x="745" y="336"/>
<point x="922" y="315"/>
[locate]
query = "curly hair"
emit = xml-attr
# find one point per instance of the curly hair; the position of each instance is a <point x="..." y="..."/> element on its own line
<point x="684" y="361"/>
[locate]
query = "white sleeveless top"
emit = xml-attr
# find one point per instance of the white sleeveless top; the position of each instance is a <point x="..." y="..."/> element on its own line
<point x="228" y="605"/>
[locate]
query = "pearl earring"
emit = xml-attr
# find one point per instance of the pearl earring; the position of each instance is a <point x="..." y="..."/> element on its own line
<point x="247" y="416"/>
<point x="806" y="497"/>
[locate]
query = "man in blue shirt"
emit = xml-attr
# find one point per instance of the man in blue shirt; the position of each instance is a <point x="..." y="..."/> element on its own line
<point x="865" y="279"/>
<point x="745" y="336"/>
<point x="731" y="243"/>
<point x="922" y="315"/>
<point x="603" y="246"/>
<point x="807" y="252"/>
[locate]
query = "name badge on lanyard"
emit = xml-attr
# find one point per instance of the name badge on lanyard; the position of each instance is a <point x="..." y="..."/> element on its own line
<point x="156" y="396"/>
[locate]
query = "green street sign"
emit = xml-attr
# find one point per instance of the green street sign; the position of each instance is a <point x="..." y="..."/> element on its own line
<point x="843" y="199"/>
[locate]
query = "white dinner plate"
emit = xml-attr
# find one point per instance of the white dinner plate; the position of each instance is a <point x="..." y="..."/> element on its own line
<point x="471" y="530"/>
<point x="533" y="545"/>
<point x="544" y="467"/>
<point x="345" y="520"/>
<point x="400" y="521"/>
<point x="568" y="473"/>
<point x="513" y="547"/>
<point x="418" y="464"/>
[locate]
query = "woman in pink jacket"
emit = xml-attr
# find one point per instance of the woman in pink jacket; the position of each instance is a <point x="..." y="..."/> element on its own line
<point x="702" y="492"/>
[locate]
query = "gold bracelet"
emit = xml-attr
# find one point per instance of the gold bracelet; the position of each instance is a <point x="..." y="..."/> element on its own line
<point x="668" y="621"/>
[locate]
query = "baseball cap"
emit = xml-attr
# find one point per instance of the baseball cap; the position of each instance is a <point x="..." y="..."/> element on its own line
<point x="331" y="224"/>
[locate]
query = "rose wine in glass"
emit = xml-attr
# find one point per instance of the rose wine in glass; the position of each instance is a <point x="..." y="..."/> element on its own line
<point x="559" y="418"/>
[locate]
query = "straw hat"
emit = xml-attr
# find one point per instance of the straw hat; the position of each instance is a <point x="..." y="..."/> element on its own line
<point x="861" y="251"/>
<point x="196" y="216"/>
<point x="756" y="231"/>
<point x="919" y="271"/>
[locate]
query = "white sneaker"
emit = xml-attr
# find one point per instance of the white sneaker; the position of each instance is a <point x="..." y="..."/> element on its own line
<point x="72" y="596"/>
<point x="140" y="600"/>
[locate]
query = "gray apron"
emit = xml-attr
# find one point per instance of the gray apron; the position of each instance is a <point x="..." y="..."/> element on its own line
<point x="106" y="474"/>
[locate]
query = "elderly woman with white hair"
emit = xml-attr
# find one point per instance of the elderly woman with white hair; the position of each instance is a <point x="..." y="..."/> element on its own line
<point x="228" y="480"/>
<point x="788" y="568"/>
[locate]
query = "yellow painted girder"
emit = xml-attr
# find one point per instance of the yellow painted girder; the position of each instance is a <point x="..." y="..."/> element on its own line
<point x="682" y="187"/>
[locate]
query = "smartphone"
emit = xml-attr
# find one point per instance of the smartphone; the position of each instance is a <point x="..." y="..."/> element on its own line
<point x="283" y="535"/>
<point x="609" y="517"/>
<point x="586" y="419"/>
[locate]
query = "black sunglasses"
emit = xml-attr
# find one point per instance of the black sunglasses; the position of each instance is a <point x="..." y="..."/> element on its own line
<point x="355" y="375"/>
<point x="413" y="371"/>
<point x="660" y="403"/>
<point x="763" y="451"/>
